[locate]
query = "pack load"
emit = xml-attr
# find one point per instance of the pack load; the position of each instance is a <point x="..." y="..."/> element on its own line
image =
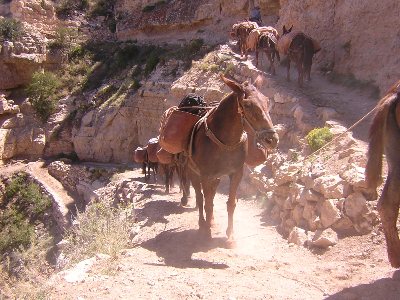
<point x="254" y="35"/>
<point x="178" y="121"/>
<point x="152" y="148"/>
<point x="164" y="156"/>
<point x="140" y="154"/>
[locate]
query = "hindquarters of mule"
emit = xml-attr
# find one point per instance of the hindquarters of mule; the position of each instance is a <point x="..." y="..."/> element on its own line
<point x="301" y="52"/>
<point x="385" y="139"/>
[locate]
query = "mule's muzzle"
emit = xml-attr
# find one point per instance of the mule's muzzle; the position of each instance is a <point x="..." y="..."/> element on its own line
<point x="269" y="139"/>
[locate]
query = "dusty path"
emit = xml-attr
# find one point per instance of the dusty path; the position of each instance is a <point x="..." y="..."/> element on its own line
<point x="171" y="262"/>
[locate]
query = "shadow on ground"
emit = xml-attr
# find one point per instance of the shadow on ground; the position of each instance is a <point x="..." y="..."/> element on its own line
<point x="156" y="211"/>
<point x="177" y="247"/>
<point x="385" y="288"/>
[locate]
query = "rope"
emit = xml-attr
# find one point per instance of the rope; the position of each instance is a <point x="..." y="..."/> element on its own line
<point x="340" y="135"/>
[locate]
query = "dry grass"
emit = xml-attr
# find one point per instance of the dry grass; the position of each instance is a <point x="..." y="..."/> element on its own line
<point x="101" y="228"/>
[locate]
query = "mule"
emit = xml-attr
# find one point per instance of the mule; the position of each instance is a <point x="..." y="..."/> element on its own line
<point x="267" y="44"/>
<point x="218" y="147"/>
<point x="301" y="51"/>
<point x="385" y="139"/>
<point x="149" y="167"/>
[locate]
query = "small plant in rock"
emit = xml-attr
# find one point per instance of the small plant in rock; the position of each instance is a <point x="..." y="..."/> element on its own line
<point x="318" y="137"/>
<point x="10" y="29"/>
<point x="41" y="92"/>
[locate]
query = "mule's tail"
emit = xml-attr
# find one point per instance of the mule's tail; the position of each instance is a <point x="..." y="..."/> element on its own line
<point x="373" y="170"/>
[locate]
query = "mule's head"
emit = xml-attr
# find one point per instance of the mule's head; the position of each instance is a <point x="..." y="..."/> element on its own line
<point x="255" y="108"/>
<point x="286" y="31"/>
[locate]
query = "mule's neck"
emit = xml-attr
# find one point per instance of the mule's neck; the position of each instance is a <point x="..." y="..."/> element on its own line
<point x="226" y="122"/>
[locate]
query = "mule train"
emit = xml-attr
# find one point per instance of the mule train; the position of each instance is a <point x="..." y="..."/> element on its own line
<point x="297" y="46"/>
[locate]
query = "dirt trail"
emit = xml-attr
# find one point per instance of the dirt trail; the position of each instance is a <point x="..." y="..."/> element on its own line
<point x="171" y="262"/>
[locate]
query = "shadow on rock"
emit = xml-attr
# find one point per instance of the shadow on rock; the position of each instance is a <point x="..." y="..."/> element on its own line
<point x="385" y="288"/>
<point x="156" y="211"/>
<point x="177" y="248"/>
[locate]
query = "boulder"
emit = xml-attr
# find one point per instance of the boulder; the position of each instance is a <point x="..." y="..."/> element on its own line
<point x="298" y="236"/>
<point x="331" y="186"/>
<point x="329" y="212"/>
<point x="325" y="238"/>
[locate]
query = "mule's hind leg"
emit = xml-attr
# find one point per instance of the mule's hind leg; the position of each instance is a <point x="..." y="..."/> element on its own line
<point x="300" y="70"/>
<point x="388" y="208"/>
<point x="231" y="204"/>
<point x="288" y="69"/>
<point x="199" y="200"/>
<point x="271" y="62"/>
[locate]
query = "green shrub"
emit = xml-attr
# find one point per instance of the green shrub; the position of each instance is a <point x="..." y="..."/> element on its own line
<point x="64" y="37"/>
<point x="103" y="8"/>
<point x="10" y="29"/>
<point x="24" y="204"/>
<point x="66" y="7"/>
<point x="318" y="137"/>
<point x="151" y="63"/>
<point x="41" y="91"/>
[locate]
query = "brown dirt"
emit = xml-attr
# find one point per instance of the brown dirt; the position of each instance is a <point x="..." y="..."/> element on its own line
<point x="172" y="262"/>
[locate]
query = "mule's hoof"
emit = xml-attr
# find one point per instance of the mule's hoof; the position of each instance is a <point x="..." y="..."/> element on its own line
<point x="184" y="201"/>
<point x="231" y="243"/>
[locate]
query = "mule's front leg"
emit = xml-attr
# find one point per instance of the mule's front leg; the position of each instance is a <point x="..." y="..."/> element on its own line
<point x="231" y="204"/>
<point x="388" y="208"/>
<point x="209" y="189"/>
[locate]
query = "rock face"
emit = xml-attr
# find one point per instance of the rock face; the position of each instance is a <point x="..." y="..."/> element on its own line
<point x="354" y="35"/>
<point x="169" y="21"/>
<point x="19" y="59"/>
<point x="20" y="134"/>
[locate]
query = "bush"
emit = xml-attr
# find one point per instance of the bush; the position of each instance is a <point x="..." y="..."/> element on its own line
<point x="66" y="7"/>
<point x="151" y="63"/>
<point x="24" y="204"/>
<point x="318" y="137"/>
<point x="10" y="29"/>
<point x="102" y="229"/>
<point x="41" y="91"/>
<point x="64" y="37"/>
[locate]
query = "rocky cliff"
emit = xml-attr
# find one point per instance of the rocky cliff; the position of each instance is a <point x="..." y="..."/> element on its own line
<point x="360" y="38"/>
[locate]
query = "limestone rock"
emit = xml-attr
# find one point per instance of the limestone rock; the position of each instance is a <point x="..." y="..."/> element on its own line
<point x="355" y="205"/>
<point x="331" y="186"/>
<point x="80" y="272"/>
<point x="329" y="212"/>
<point x="298" y="236"/>
<point x="325" y="238"/>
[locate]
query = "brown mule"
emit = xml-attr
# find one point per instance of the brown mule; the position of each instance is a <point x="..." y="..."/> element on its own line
<point x="301" y="50"/>
<point x="219" y="144"/>
<point x="385" y="139"/>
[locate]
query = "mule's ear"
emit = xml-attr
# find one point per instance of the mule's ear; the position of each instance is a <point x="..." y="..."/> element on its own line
<point x="235" y="87"/>
<point x="259" y="82"/>
<point x="290" y="29"/>
<point x="284" y="29"/>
